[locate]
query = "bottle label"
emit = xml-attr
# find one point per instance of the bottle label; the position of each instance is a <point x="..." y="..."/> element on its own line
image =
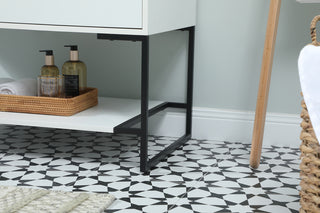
<point x="71" y="87"/>
<point x="48" y="87"/>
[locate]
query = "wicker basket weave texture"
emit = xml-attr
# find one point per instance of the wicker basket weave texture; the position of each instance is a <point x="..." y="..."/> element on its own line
<point x="48" y="105"/>
<point x="309" y="166"/>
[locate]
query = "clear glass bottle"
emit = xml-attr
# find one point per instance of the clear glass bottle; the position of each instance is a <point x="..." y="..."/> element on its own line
<point x="75" y="73"/>
<point x="49" y="69"/>
<point x="48" y="80"/>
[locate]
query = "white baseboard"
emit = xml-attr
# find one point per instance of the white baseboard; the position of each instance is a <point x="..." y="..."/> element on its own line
<point x="229" y="125"/>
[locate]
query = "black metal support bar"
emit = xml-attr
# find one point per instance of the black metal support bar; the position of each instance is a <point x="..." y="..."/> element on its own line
<point x="177" y="105"/>
<point x="137" y="119"/>
<point x="144" y="105"/>
<point x="171" y="148"/>
<point x="127" y="127"/>
<point x="121" y="37"/>
<point x="168" y="150"/>
<point x="127" y="130"/>
<point x="190" y="80"/>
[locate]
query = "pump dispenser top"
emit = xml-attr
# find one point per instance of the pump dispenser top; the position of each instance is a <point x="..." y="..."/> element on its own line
<point x="49" y="59"/>
<point x="74" y="54"/>
<point x="48" y="52"/>
<point x="49" y="69"/>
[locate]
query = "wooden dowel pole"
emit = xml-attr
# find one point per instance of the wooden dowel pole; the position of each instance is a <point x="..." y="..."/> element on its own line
<point x="264" y="85"/>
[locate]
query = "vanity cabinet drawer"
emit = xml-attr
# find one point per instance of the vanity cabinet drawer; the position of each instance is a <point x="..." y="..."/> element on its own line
<point x="83" y="13"/>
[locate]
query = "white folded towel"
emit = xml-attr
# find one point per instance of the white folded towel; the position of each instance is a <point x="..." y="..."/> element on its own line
<point x="309" y="66"/>
<point x="5" y="80"/>
<point x="26" y="87"/>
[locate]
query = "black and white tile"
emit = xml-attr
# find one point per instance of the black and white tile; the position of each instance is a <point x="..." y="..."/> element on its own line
<point x="202" y="176"/>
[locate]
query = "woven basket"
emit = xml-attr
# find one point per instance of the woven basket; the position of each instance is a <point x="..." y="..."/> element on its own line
<point x="49" y="106"/>
<point x="310" y="155"/>
<point x="310" y="165"/>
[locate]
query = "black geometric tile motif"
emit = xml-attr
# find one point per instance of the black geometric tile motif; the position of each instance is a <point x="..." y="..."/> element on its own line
<point x="202" y="176"/>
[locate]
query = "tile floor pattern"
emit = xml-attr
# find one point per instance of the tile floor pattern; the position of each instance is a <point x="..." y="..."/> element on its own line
<point x="202" y="176"/>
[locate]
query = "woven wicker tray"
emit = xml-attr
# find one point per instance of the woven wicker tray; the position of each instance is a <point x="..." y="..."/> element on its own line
<point x="49" y="106"/>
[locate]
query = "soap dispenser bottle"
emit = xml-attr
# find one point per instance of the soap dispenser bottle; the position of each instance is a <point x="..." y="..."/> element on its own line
<point x="75" y="73"/>
<point x="49" y="69"/>
<point x="48" y="80"/>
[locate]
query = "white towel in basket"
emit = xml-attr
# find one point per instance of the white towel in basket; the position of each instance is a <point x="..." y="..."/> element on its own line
<point x="309" y="73"/>
<point x="5" y="80"/>
<point x="26" y="87"/>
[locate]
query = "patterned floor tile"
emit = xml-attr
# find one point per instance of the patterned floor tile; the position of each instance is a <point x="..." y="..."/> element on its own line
<point x="201" y="176"/>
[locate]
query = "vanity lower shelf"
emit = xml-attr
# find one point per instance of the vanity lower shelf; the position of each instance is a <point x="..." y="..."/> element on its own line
<point x="109" y="113"/>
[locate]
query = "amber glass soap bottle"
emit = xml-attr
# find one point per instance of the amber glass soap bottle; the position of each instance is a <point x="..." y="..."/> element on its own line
<point x="75" y="73"/>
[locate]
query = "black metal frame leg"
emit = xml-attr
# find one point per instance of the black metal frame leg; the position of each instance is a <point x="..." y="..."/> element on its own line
<point x="190" y="80"/>
<point x="144" y="105"/>
<point x="127" y="127"/>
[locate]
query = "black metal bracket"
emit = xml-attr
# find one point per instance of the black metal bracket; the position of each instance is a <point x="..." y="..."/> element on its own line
<point x="127" y="126"/>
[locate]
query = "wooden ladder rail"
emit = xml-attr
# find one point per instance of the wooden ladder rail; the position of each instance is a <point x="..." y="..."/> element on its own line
<point x="264" y="85"/>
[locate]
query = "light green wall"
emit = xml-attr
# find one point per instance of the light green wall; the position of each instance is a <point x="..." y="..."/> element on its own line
<point x="230" y="42"/>
<point x="229" y="45"/>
